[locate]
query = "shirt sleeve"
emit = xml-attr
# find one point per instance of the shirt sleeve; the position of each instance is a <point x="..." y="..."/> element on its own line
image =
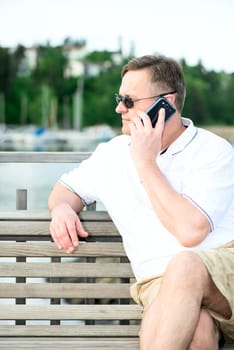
<point x="83" y="180"/>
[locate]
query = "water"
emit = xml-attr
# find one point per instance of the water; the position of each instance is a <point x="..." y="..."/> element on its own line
<point x="38" y="179"/>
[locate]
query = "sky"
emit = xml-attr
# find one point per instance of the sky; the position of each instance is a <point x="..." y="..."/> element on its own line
<point x="195" y="30"/>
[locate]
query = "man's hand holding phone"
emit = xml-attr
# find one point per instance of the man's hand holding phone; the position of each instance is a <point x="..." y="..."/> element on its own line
<point x="146" y="141"/>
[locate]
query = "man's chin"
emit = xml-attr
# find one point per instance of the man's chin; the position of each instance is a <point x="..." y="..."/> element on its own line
<point x="125" y="130"/>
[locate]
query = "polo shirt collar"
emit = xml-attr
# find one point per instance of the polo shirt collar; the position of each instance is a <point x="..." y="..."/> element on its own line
<point x="184" y="139"/>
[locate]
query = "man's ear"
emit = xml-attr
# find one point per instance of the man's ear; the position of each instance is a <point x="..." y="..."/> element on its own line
<point x="171" y="98"/>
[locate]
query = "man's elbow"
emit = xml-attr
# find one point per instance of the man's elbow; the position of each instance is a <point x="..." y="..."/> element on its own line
<point x="190" y="238"/>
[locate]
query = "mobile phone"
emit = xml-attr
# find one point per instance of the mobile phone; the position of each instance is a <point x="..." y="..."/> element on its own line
<point x="153" y="110"/>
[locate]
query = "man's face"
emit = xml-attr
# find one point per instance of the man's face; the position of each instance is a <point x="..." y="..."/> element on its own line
<point x="135" y="84"/>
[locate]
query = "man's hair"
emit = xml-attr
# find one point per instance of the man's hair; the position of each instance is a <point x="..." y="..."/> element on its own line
<point x="166" y="72"/>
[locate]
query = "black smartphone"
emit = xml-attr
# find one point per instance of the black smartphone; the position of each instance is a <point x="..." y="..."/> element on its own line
<point x="153" y="110"/>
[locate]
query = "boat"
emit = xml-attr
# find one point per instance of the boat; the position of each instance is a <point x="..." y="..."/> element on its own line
<point x="32" y="138"/>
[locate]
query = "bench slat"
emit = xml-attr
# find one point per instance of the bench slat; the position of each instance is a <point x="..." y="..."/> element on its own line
<point x="66" y="269"/>
<point x="37" y="228"/>
<point x="65" y="290"/>
<point x="70" y="330"/>
<point x="48" y="249"/>
<point x="71" y="344"/>
<point x="70" y="312"/>
<point x="44" y="215"/>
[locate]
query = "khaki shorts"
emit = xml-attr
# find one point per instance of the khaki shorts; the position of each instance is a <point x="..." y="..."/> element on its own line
<point x="220" y="264"/>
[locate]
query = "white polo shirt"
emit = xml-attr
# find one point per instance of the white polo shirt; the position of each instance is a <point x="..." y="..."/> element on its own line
<point x="199" y="165"/>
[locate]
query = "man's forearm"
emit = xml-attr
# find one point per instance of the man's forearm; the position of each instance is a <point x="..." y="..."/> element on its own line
<point x="185" y="221"/>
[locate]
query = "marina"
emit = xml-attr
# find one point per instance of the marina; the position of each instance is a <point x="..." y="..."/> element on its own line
<point x="32" y="138"/>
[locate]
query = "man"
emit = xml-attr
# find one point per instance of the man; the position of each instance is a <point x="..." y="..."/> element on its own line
<point x="170" y="191"/>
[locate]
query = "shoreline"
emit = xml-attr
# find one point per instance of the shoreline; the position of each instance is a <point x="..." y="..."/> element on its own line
<point x="224" y="131"/>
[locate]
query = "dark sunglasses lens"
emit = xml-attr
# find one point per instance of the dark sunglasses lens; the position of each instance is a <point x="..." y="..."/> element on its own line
<point x="128" y="102"/>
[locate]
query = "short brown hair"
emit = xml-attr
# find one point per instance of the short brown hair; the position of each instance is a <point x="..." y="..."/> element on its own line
<point x="167" y="72"/>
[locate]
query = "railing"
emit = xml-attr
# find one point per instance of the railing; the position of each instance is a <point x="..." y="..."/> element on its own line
<point x="39" y="157"/>
<point x="43" y="157"/>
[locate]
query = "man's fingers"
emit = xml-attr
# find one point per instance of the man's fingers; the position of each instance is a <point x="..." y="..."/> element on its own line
<point x="161" y="118"/>
<point x="60" y="235"/>
<point x="55" y="238"/>
<point x="145" y="119"/>
<point x="73" y="234"/>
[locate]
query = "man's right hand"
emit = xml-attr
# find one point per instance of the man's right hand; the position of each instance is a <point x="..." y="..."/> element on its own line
<point x="65" y="227"/>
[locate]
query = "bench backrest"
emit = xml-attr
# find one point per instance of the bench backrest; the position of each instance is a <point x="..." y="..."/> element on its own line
<point x="44" y="290"/>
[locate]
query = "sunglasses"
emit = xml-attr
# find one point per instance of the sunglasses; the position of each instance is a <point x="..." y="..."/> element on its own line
<point x="129" y="102"/>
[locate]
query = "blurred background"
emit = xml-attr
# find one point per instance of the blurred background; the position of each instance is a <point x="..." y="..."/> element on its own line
<point x="60" y="64"/>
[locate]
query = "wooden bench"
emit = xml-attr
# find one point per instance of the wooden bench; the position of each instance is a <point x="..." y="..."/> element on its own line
<point x="51" y="300"/>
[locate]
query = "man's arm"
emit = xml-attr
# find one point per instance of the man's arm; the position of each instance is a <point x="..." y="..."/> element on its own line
<point x="65" y="225"/>
<point x="180" y="216"/>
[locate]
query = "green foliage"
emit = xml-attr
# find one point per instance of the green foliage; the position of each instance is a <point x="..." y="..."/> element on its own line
<point x="98" y="56"/>
<point x="99" y="94"/>
<point x="50" y="67"/>
<point x="5" y="65"/>
<point x="209" y="96"/>
<point x="28" y="94"/>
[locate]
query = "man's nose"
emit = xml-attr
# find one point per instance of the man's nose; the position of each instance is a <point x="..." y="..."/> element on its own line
<point x="120" y="108"/>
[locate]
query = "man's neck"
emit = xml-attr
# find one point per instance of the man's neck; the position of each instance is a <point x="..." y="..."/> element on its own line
<point x="174" y="129"/>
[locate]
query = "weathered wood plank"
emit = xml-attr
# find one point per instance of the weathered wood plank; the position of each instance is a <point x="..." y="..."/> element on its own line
<point x="70" y="330"/>
<point x="44" y="215"/>
<point x="65" y="290"/>
<point x="71" y="312"/>
<point x="37" y="228"/>
<point x="66" y="269"/>
<point x="48" y="249"/>
<point x="71" y="344"/>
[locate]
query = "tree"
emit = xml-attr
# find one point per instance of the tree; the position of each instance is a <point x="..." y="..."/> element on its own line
<point x="5" y="69"/>
<point x="99" y="100"/>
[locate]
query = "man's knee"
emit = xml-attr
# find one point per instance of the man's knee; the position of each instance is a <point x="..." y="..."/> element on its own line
<point x="185" y="259"/>
<point x="187" y="266"/>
